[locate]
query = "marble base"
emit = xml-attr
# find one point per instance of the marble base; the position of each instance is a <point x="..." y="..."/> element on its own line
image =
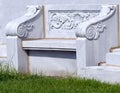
<point x="102" y="73"/>
<point x="52" y="63"/>
<point x="113" y="58"/>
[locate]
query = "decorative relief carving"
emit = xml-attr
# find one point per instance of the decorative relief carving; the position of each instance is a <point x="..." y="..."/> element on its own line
<point x="91" y="29"/>
<point x="68" y="20"/>
<point x="22" y="26"/>
<point x="23" y="29"/>
<point x="93" y="32"/>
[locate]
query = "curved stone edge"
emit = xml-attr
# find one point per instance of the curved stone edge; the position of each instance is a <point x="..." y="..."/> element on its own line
<point x="92" y="28"/>
<point x="21" y="26"/>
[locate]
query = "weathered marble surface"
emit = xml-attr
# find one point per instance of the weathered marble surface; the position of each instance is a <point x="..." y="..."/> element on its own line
<point x="89" y="51"/>
<point x="94" y="33"/>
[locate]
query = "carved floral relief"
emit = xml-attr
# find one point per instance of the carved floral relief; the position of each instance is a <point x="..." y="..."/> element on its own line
<point x="62" y="20"/>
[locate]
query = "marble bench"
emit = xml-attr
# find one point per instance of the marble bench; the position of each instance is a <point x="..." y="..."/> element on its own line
<point x="61" y="39"/>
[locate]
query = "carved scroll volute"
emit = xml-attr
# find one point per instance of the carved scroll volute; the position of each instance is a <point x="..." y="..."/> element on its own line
<point x="92" y="28"/>
<point x="24" y="29"/>
<point x="22" y="26"/>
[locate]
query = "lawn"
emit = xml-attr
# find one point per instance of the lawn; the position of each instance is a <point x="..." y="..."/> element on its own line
<point x="13" y="82"/>
<point x="17" y="83"/>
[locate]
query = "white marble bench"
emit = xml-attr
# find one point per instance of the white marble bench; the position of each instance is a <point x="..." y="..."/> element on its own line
<point x="62" y="39"/>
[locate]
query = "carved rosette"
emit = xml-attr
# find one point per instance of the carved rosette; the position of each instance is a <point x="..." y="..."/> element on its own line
<point x="93" y="32"/>
<point x="24" y="29"/>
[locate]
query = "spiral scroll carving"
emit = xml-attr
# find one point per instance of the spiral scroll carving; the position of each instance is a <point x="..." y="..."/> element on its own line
<point x="92" y="28"/>
<point x="23" y="25"/>
<point x="90" y="33"/>
<point x="23" y="29"/>
<point x="93" y="32"/>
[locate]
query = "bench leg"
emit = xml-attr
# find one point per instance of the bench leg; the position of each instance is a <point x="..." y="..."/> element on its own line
<point x="17" y="57"/>
<point x="83" y="55"/>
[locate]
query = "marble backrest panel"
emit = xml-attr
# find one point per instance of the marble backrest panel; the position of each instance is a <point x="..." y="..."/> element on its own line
<point x="61" y="21"/>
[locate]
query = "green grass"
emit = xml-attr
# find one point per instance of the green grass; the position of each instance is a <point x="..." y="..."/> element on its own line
<point x="13" y="82"/>
<point x="40" y="84"/>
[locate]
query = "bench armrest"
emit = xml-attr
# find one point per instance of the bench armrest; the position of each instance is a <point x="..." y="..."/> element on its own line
<point x="92" y="28"/>
<point x="24" y="26"/>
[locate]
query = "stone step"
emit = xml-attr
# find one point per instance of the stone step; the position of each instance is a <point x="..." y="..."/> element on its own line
<point x="3" y="51"/>
<point x="113" y="58"/>
<point x="102" y="73"/>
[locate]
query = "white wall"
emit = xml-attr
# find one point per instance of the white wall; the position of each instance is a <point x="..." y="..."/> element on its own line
<point x="11" y="9"/>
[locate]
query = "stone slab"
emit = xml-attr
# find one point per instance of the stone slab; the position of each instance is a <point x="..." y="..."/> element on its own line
<point x="52" y="63"/>
<point x="51" y="44"/>
<point x="102" y="73"/>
